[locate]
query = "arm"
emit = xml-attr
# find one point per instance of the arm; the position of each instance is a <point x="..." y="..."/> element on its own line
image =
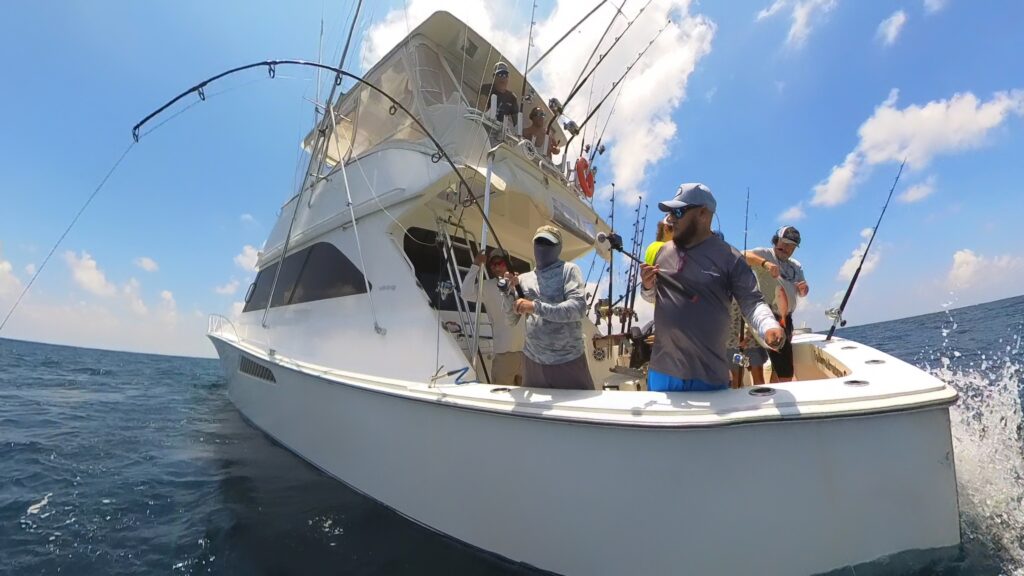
<point x="757" y="313"/>
<point x="575" y="305"/>
<point x="508" y="302"/>
<point x="469" y="284"/>
<point x="755" y="260"/>
<point x="648" y="282"/>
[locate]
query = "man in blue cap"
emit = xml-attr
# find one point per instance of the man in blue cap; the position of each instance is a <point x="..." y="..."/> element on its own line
<point x="692" y="329"/>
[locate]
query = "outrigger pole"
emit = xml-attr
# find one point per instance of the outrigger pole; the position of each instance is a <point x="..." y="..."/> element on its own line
<point x="836" y="314"/>
<point x="564" y="36"/>
<point x="576" y="88"/>
<point x="616" y="83"/>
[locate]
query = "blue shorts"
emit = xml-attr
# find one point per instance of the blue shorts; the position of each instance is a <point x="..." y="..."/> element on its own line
<point x="659" y="382"/>
<point x="756" y="355"/>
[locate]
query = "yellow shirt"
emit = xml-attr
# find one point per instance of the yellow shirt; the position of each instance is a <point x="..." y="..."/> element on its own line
<point x="652" y="252"/>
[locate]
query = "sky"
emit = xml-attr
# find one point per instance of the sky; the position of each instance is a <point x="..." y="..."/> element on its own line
<point x="811" y="104"/>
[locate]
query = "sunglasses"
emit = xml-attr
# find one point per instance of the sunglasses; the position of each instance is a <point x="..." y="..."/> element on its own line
<point x="497" y="262"/>
<point x="544" y="242"/>
<point x="678" y="213"/>
<point x="501" y="74"/>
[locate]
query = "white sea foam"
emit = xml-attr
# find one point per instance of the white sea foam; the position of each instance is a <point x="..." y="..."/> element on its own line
<point x="988" y="438"/>
<point x="35" y="508"/>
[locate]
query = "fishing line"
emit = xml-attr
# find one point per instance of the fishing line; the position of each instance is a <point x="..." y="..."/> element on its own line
<point x="66" y="231"/>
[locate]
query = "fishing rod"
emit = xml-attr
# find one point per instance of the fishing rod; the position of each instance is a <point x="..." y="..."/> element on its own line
<point x="597" y="46"/>
<point x="740" y="358"/>
<point x="630" y="272"/>
<point x="560" y="106"/>
<point x="611" y="266"/>
<point x="836" y="314"/>
<point x="615" y="242"/>
<point x="526" y="66"/>
<point x="616" y="83"/>
<point x="271" y="66"/>
<point x="564" y="36"/>
<point x="597" y="149"/>
<point x="632" y="297"/>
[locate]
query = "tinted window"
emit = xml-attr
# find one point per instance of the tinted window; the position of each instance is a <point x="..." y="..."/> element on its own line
<point x="318" y="272"/>
<point x="431" y="266"/>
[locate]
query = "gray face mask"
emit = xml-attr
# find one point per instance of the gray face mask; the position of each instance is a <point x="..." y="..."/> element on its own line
<point x="546" y="255"/>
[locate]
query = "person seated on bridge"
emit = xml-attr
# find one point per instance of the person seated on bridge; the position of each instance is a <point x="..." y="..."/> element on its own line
<point x="689" y="352"/>
<point x="507" y="365"/>
<point x="554" y="304"/>
<point x="508" y="104"/>
<point x="536" y="131"/>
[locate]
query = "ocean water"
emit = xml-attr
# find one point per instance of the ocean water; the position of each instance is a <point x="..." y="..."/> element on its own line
<point x="119" y="463"/>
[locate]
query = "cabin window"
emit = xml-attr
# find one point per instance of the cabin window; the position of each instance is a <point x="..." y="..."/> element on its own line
<point x="431" y="268"/>
<point x="435" y="84"/>
<point x="318" y="272"/>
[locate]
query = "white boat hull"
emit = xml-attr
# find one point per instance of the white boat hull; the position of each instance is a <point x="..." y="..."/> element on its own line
<point x="793" y="496"/>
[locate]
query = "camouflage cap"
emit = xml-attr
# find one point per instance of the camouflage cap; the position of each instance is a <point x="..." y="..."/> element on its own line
<point x="550" y="233"/>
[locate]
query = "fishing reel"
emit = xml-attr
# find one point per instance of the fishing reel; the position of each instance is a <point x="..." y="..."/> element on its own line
<point x="556" y="106"/>
<point x="740" y="359"/>
<point x="571" y="127"/>
<point x="503" y="285"/>
<point x="836" y="316"/>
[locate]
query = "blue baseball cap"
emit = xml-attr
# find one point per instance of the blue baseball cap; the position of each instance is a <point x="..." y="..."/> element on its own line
<point x="690" y="194"/>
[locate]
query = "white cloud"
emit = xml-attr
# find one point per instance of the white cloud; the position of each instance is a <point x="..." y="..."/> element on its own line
<point x="247" y="259"/>
<point x="804" y="16"/>
<point x="247" y="218"/>
<point x="933" y="6"/>
<point x="919" y="134"/>
<point x="87" y="275"/>
<point x="131" y="293"/>
<point x="890" y="28"/>
<point x="168" y="308"/>
<point x="30" y="269"/>
<point x="147" y="264"/>
<point x="918" y="191"/>
<point x="654" y="88"/>
<point x="9" y="283"/>
<point x="228" y="289"/>
<point x="847" y="270"/>
<point x="793" y="214"/>
<point x="971" y="270"/>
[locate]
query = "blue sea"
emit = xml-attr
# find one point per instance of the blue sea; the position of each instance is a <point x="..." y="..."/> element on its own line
<point x="121" y="463"/>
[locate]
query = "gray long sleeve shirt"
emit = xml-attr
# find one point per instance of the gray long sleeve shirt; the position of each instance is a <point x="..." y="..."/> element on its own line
<point x="691" y="337"/>
<point x="554" y="332"/>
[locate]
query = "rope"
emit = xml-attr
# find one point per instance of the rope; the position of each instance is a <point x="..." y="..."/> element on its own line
<point x="66" y="231"/>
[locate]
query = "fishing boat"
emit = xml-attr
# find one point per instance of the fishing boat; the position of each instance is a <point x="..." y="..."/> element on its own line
<point x="357" y="351"/>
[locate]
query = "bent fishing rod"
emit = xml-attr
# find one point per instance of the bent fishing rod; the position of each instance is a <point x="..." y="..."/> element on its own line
<point x="271" y="66"/>
<point x="836" y="314"/>
<point x="615" y="243"/>
<point x="616" y="83"/>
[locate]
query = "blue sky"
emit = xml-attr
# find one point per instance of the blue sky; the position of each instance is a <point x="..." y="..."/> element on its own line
<point x="771" y="102"/>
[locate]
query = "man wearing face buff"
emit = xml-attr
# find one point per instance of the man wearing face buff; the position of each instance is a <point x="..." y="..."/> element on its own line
<point x="689" y="351"/>
<point x="553" y="305"/>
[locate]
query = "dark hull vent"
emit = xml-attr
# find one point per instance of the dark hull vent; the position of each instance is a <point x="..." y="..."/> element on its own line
<point x="255" y="370"/>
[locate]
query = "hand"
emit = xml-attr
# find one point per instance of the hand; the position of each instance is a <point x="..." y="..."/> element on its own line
<point x="801" y="288"/>
<point x="772" y="268"/>
<point x="775" y="338"/>
<point x="524" y="306"/>
<point x="513" y="280"/>
<point x="480" y="258"/>
<point x="649" y="276"/>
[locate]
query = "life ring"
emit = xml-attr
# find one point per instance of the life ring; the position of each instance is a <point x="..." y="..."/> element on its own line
<point x="585" y="177"/>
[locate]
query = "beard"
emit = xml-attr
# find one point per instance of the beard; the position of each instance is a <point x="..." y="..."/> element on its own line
<point x="683" y="234"/>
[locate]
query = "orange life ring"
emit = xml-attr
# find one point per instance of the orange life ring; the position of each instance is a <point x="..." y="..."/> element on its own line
<point x="585" y="177"/>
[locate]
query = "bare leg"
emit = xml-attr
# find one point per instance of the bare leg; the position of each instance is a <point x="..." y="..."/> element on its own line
<point x="757" y="375"/>
<point x="737" y="378"/>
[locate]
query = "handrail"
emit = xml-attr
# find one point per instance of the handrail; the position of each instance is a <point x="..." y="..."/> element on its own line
<point x="217" y="324"/>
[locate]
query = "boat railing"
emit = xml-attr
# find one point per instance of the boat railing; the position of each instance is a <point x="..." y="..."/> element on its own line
<point x="503" y="132"/>
<point x="218" y="326"/>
